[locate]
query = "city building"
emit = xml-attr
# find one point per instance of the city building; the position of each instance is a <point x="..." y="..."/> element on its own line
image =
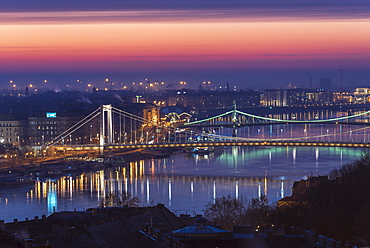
<point x="342" y="97"/>
<point x="273" y="98"/>
<point x="44" y="128"/>
<point x="214" y="99"/>
<point x="151" y="113"/>
<point x="300" y="191"/>
<point x="12" y="130"/>
<point x="295" y="97"/>
<point x="361" y="96"/>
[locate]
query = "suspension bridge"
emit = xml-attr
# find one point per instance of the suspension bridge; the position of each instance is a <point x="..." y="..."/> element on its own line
<point x="119" y="129"/>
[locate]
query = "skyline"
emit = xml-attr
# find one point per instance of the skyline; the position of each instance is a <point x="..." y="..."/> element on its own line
<point x="246" y="43"/>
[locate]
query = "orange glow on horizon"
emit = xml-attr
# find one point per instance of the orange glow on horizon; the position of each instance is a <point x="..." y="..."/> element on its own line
<point x="93" y="43"/>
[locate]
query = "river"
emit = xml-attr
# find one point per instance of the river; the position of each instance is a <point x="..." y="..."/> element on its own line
<point x="184" y="182"/>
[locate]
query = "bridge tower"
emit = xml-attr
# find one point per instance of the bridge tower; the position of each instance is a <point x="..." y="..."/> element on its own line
<point x="106" y="131"/>
<point x="234" y="120"/>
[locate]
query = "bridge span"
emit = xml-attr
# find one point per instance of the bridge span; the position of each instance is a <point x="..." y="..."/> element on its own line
<point x="128" y="131"/>
<point x="251" y="124"/>
<point x="210" y="144"/>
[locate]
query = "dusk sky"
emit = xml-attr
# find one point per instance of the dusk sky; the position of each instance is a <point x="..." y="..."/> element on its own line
<point x="249" y="43"/>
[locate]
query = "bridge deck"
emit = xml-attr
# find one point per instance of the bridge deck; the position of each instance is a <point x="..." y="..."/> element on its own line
<point x="239" y="125"/>
<point x="205" y="144"/>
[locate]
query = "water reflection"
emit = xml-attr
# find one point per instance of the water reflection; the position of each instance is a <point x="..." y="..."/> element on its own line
<point x="183" y="182"/>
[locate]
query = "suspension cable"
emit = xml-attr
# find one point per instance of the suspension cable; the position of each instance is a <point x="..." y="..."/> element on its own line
<point x="74" y="127"/>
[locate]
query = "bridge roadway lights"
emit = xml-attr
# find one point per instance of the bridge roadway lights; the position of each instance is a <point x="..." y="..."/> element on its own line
<point x="235" y="143"/>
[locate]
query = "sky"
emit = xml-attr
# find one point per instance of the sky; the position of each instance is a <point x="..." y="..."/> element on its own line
<point x="249" y="43"/>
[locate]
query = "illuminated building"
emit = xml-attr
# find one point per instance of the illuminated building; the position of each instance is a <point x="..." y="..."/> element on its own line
<point x="273" y="98"/>
<point x="11" y="130"/>
<point x="151" y="113"/>
<point x="44" y="128"/>
<point x="295" y="97"/>
<point x="361" y="95"/>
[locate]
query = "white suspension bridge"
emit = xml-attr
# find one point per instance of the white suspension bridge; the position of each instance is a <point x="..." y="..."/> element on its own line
<point x="120" y="129"/>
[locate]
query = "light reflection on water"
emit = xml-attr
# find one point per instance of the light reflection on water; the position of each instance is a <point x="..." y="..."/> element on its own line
<point x="183" y="182"/>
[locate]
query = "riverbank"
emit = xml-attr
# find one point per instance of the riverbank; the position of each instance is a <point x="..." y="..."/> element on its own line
<point x="28" y="170"/>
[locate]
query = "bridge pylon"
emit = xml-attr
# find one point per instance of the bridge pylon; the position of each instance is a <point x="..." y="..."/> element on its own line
<point x="234" y="114"/>
<point x="106" y="131"/>
<point x="235" y="131"/>
<point x="234" y="119"/>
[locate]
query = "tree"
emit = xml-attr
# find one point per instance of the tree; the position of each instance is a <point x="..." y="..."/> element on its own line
<point x="341" y="206"/>
<point x="226" y="211"/>
<point x="119" y="200"/>
<point x="258" y="212"/>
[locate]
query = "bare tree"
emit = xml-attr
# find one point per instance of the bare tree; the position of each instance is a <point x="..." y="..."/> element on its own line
<point x="119" y="200"/>
<point x="226" y="211"/>
<point x="258" y="212"/>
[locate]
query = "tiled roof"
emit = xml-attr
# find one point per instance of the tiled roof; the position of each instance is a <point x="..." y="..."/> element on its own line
<point x="84" y="241"/>
<point x="106" y="233"/>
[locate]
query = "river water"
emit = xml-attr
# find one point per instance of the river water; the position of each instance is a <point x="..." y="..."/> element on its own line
<point x="185" y="183"/>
